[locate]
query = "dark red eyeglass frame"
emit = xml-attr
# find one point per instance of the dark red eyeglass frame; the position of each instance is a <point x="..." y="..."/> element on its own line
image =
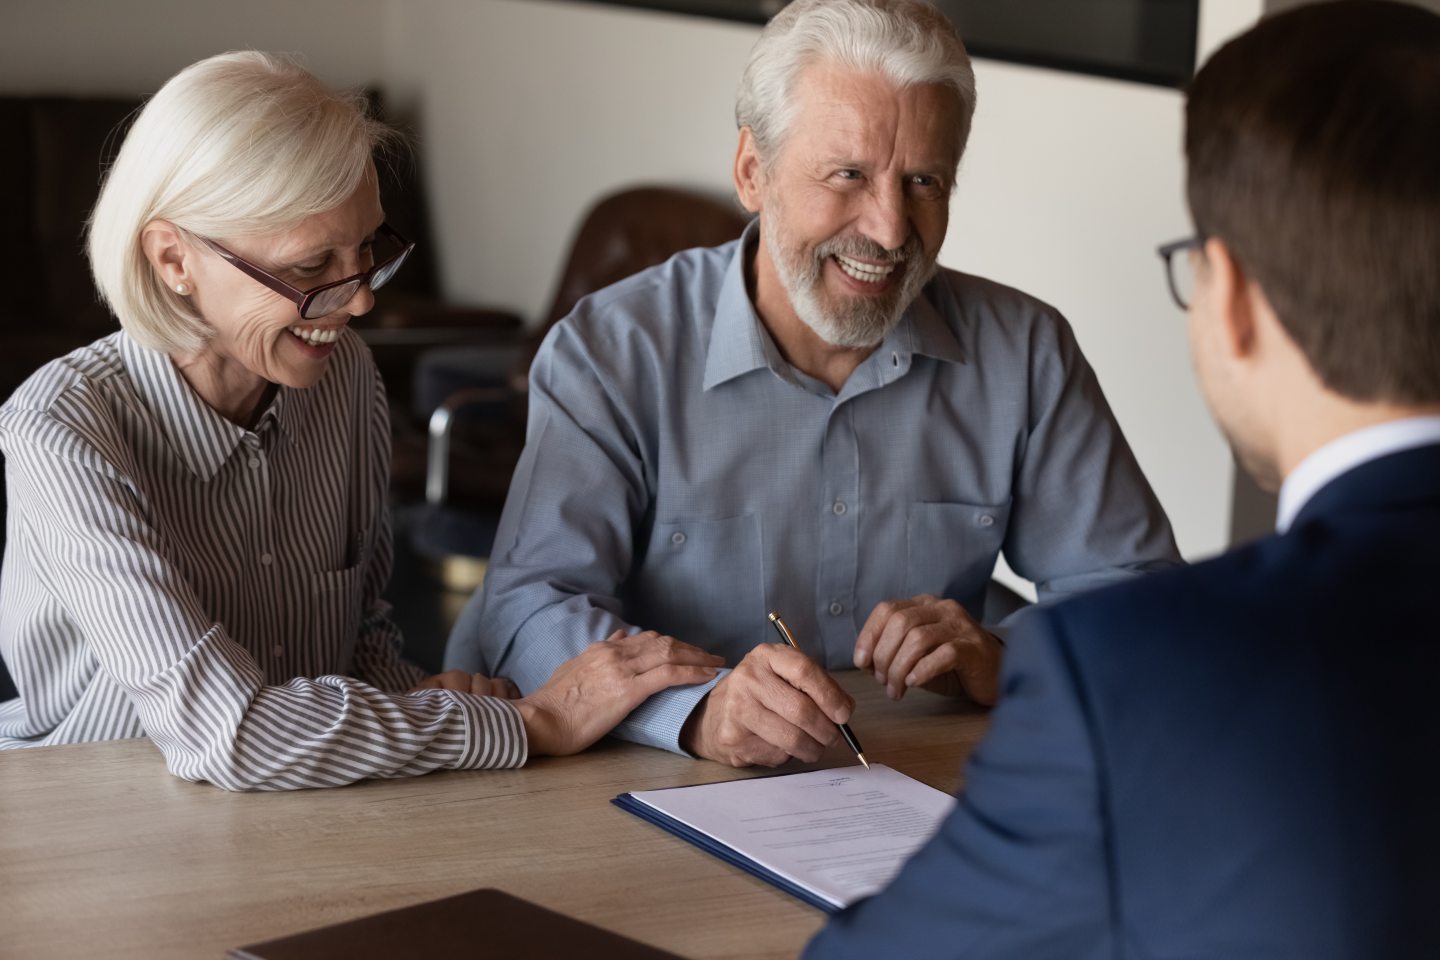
<point x="303" y="299"/>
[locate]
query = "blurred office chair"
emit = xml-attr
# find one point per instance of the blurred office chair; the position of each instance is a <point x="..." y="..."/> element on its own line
<point x="476" y="397"/>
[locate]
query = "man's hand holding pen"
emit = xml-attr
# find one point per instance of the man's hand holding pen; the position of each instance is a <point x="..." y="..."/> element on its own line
<point x="932" y="643"/>
<point x="776" y="704"/>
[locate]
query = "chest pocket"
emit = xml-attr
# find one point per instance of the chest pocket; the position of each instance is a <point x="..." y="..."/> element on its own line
<point x="703" y="581"/>
<point x="335" y="610"/>
<point x="951" y="549"/>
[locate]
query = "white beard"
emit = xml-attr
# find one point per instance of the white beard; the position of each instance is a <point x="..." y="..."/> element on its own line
<point x="855" y="322"/>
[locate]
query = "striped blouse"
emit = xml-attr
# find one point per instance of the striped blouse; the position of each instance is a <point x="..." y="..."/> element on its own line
<point x="168" y="573"/>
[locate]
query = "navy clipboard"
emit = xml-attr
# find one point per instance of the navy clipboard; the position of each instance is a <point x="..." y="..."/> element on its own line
<point x="725" y="852"/>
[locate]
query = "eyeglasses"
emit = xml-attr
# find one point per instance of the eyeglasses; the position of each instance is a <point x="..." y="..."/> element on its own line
<point x="1181" y="278"/>
<point x="327" y="298"/>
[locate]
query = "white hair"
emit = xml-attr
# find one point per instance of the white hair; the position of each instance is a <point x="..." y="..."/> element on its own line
<point x="908" y="41"/>
<point x="236" y="145"/>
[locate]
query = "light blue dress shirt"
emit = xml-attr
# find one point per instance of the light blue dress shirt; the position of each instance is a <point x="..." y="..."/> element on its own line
<point x="679" y="475"/>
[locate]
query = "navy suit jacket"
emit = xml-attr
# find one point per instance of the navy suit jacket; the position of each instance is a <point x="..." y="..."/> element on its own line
<point x="1232" y="760"/>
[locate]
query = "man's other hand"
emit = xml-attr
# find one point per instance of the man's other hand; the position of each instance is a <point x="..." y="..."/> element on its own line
<point x="932" y="643"/>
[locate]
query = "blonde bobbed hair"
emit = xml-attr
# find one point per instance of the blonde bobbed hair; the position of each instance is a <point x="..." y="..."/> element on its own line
<point x="238" y="145"/>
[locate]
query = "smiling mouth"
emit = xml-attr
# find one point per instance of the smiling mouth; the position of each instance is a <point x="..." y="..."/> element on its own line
<point x="316" y="336"/>
<point x="864" y="272"/>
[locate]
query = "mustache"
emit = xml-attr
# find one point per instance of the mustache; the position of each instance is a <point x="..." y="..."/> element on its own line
<point x="867" y="249"/>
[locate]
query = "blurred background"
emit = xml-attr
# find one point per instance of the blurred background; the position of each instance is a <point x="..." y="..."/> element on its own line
<point x="526" y="112"/>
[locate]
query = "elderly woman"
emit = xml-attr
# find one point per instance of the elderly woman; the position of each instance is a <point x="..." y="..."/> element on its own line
<point x="198" y="534"/>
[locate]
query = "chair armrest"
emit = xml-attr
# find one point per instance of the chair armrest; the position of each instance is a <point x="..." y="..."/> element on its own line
<point x="442" y="424"/>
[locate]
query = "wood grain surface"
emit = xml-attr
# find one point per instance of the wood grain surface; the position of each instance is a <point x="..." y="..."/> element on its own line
<point x="102" y="852"/>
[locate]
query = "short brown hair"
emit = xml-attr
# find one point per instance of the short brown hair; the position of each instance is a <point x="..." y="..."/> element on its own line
<point x="1313" y="147"/>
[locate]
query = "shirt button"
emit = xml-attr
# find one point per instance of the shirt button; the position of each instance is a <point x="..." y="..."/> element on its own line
<point x="837" y="608"/>
<point x="677" y="538"/>
<point x="839" y="508"/>
<point x="266" y="559"/>
<point x="278" y="650"/>
<point x="986" y="520"/>
<point x="254" y="463"/>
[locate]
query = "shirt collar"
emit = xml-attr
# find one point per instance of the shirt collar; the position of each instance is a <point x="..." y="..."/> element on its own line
<point x="739" y="342"/>
<point x="1345" y="454"/>
<point x="201" y="438"/>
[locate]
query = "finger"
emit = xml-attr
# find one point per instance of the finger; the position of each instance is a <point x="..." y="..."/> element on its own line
<point x="919" y="644"/>
<point x="936" y="663"/>
<point x="779" y="732"/>
<point x="483" y="686"/>
<point x="893" y="636"/>
<point x="980" y="673"/>
<point x="664" y="675"/>
<point x="645" y="651"/>
<point x="508" y="689"/>
<point x="807" y="676"/>
<point x="796" y="709"/>
<point x="754" y="751"/>
<point x="870" y="633"/>
<point x="449" y="680"/>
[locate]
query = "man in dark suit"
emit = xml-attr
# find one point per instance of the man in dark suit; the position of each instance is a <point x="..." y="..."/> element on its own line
<point x="1238" y="759"/>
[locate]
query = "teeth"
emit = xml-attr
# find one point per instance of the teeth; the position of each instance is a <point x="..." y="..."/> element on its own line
<point x="868" y="272"/>
<point x="316" y="335"/>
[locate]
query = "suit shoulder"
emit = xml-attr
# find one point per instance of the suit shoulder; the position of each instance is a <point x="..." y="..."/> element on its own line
<point x="1175" y="603"/>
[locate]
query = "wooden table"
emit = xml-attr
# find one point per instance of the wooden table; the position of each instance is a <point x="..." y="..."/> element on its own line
<point x="103" y="852"/>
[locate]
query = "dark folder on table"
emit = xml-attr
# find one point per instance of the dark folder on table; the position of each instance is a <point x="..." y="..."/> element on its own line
<point x="481" y="923"/>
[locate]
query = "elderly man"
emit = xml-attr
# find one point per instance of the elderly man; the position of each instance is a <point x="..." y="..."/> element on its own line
<point x="1237" y="759"/>
<point x="813" y="420"/>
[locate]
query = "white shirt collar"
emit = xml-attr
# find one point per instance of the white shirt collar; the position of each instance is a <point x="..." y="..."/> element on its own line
<point x="1347" y="453"/>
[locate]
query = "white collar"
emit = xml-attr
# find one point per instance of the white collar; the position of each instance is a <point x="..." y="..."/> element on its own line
<point x="1345" y="454"/>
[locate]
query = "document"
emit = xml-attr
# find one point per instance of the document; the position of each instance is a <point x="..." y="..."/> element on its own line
<point x="830" y="837"/>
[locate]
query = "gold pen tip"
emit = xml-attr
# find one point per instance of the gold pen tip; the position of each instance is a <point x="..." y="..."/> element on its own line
<point x="863" y="760"/>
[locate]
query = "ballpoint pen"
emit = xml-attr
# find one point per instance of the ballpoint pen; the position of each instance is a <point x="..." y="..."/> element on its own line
<point x="845" y="730"/>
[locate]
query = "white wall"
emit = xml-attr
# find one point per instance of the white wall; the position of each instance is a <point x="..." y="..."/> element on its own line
<point x="529" y="111"/>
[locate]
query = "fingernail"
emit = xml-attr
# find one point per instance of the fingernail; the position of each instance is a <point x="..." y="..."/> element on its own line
<point x="879" y="677"/>
<point x="910" y="680"/>
<point x="842" y="715"/>
<point x="861" y="660"/>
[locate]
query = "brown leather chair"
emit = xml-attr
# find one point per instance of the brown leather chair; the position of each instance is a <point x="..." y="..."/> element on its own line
<point x="477" y="427"/>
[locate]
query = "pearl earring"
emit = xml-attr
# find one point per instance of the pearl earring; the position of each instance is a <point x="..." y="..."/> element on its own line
<point x="183" y="289"/>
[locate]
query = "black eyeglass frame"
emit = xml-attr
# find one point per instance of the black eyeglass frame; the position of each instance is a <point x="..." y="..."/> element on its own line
<point x="1167" y="253"/>
<point x="305" y="299"/>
